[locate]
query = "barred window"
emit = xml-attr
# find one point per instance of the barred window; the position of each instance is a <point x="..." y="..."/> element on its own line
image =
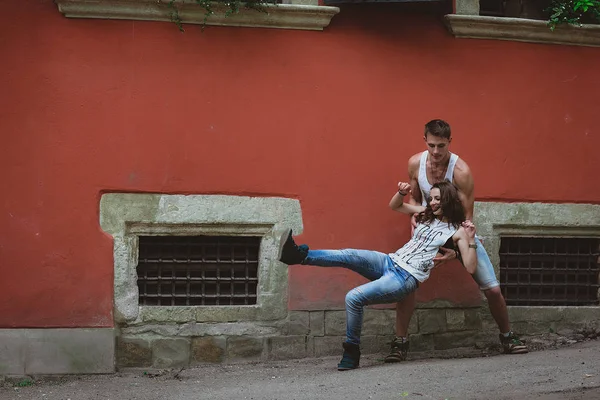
<point x="549" y="271"/>
<point x="197" y="270"/>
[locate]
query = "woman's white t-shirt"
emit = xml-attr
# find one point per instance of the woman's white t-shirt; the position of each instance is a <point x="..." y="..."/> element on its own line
<point x="417" y="255"/>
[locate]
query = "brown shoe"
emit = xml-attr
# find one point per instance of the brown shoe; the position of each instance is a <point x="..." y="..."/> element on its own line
<point x="398" y="352"/>
<point x="512" y="344"/>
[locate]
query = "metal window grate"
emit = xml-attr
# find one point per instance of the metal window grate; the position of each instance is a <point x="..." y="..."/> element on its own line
<point x="197" y="270"/>
<point x="530" y="9"/>
<point x="492" y="8"/>
<point x="328" y="2"/>
<point x="545" y="271"/>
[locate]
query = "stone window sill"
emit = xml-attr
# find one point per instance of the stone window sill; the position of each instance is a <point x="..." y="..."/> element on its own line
<point x="519" y="29"/>
<point x="300" y="14"/>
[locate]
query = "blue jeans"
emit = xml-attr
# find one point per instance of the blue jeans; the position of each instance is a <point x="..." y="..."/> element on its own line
<point x="485" y="276"/>
<point x="389" y="283"/>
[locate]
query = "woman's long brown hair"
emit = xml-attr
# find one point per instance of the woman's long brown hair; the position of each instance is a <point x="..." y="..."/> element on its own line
<point x="452" y="208"/>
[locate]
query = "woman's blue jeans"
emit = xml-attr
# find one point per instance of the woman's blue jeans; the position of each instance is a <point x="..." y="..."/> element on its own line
<point x="389" y="283"/>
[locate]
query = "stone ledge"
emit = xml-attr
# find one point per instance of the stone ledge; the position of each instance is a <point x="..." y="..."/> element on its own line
<point x="57" y="351"/>
<point x="286" y="16"/>
<point x="520" y="29"/>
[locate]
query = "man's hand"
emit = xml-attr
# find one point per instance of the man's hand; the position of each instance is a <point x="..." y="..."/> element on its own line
<point x="446" y="255"/>
<point x="469" y="228"/>
<point x="413" y="224"/>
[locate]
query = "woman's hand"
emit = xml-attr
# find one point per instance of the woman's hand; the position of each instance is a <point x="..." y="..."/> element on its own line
<point x="403" y="188"/>
<point x="469" y="228"/>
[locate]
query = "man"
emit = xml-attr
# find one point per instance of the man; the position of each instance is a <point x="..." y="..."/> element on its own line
<point x="425" y="169"/>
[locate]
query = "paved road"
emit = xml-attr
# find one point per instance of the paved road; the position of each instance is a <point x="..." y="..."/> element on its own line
<point x="569" y="373"/>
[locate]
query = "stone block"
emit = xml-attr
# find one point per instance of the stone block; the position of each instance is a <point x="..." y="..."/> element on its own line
<point x="209" y="349"/>
<point x="133" y="352"/>
<point x="467" y="7"/>
<point x="413" y="326"/>
<point x="244" y="348"/>
<point x="537" y="328"/>
<point x="373" y="344"/>
<point x="298" y="323"/>
<point x="420" y="342"/>
<point x="472" y="319"/>
<point x="226" y="329"/>
<point x="452" y="340"/>
<point x="152" y="329"/>
<point x="287" y="347"/>
<point x="455" y="319"/>
<point x="487" y="320"/>
<point x="486" y="340"/>
<point x="310" y="346"/>
<point x="13" y="347"/>
<point x="431" y="321"/>
<point x="170" y="353"/>
<point x="305" y="2"/>
<point x="437" y="303"/>
<point x="328" y="345"/>
<point x="590" y="314"/>
<point x="226" y="313"/>
<point x="378" y="322"/>
<point x="69" y="351"/>
<point x="335" y="323"/>
<point x="317" y="323"/>
<point x="168" y="314"/>
<point x="541" y="314"/>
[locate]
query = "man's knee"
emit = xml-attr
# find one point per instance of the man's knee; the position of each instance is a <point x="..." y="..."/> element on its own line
<point x="493" y="293"/>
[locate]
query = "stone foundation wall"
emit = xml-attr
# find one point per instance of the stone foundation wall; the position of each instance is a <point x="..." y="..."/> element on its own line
<point x="435" y="328"/>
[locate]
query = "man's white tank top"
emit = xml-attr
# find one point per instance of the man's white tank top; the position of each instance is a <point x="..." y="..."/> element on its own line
<point x="417" y="255"/>
<point x="424" y="184"/>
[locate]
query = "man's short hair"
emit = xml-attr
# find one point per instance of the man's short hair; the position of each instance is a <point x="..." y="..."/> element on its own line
<point x="438" y="128"/>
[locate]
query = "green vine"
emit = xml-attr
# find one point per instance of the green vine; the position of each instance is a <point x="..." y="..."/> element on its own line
<point x="231" y="7"/>
<point x="573" y="12"/>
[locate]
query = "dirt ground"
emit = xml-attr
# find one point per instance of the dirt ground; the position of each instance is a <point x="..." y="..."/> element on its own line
<point x="571" y="372"/>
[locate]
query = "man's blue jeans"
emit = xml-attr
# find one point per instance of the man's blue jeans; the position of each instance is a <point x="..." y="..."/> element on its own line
<point x="389" y="283"/>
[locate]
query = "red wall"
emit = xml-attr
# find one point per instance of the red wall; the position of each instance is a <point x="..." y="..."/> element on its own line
<point x="330" y="118"/>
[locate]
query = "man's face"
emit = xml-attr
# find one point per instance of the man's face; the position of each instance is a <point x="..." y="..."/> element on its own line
<point x="437" y="147"/>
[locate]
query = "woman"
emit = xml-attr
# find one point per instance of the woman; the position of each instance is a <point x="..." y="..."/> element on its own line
<point x="395" y="275"/>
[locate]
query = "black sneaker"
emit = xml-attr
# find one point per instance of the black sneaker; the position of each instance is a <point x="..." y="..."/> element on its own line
<point x="512" y="344"/>
<point x="398" y="352"/>
<point x="289" y="252"/>
<point x="351" y="357"/>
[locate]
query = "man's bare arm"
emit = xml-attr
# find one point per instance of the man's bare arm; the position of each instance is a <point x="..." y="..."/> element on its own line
<point x="463" y="179"/>
<point x="464" y="182"/>
<point x="415" y="193"/>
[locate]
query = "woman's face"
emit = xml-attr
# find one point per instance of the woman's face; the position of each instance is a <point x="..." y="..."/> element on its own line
<point x="435" y="201"/>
